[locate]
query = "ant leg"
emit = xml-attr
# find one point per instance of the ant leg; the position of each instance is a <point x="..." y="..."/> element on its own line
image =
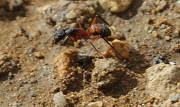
<point x="48" y="39"/>
<point x="94" y="47"/>
<point x="64" y="40"/>
<point x="80" y="26"/>
<point x="94" y="20"/>
<point x="68" y="36"/>
<point x="113" y="47"/>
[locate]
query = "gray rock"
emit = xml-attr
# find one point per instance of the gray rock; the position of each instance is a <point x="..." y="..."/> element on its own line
<point x="175" y="98"/>
<point x="163" y="81"/>
<point x="59" y="100"/>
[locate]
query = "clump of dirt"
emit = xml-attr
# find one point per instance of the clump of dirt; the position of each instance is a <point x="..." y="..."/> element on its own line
<point x="8" y="64"/>
<point x="106" y="73"/>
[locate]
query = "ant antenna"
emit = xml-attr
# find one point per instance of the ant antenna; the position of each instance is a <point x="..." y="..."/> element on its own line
<point x="64" y="40"/>
<point x="48" y="40"/>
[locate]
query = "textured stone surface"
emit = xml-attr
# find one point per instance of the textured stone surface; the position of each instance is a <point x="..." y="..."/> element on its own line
<point x="163" y="80"/>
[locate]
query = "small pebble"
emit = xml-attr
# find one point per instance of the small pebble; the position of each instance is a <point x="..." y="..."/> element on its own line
<point x="155" y="34"/>
<point x="158" y="60"/>
<point x="10" y="76"/>
<point x="149" y="31"/>
<point x="38" y="55"/>
<point x="59" y="100"/>
<point x="172" y="63"/>
<point x="175" y="98"/>
<point x="32" y="74"/>
<point x="71" y="15"/>
<point x="163" y="26"/>
<point x="33" y="95"/>
<point x="82" y="57"/>
<point x="77" y="44"/>
<point x="178" y="2"/>
<point x="95" y="104"/>
<point x="167" y="38"/>
<point x="30" y="51"/>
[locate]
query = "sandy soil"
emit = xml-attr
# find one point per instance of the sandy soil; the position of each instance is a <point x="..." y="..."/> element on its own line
<point x="27" y="76"/>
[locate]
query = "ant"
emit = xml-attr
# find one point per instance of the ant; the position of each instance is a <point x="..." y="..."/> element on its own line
<point x="95" y="29"/>
<point x="73" y="33"/>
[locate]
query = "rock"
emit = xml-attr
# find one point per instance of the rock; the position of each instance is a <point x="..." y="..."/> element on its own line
<point x="115" y="5"/>
<point x="33" y="95"/>
<point x="158" y="60"/>
<point x="175" y="98"/>
<point x="155" y="34"/>
<point x="32" y="74"/>
<point x="163" y="80"/>
<point x="160" y="5"/>
<point x="172" y="63"/>
<point x="178" y="2"/>
<point x="59" y="100"/>
<point x="167" y="38"/>
<point x="167" y="103"/>
<point x="71" y="15"/>
<point x="38" y="55"/>
<point x="30" y="51"/>
<point x="95" y="104"/>
<point x="172" y="102"/>
<point x="106" y="73"/>
<point x="10" y="76"/>
<point x="121" y="47"/>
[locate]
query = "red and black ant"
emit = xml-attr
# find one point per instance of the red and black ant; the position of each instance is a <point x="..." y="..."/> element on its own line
<point x="72" y="33"/>
<point x="96" y="30"/>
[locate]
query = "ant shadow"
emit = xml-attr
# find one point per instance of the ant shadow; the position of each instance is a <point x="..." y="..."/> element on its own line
<point x="10" y="15"/>
<point x="138" y="63"/>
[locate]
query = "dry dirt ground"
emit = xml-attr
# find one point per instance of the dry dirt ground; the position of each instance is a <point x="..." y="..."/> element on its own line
<point x="27" y="79"/>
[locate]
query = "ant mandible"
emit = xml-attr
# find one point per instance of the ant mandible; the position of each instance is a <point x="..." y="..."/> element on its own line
<point x="95" y="29"/>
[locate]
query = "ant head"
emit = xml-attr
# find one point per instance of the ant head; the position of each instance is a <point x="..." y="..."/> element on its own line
<point x="105" y="31"/>
<point x="59" y="35"/>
